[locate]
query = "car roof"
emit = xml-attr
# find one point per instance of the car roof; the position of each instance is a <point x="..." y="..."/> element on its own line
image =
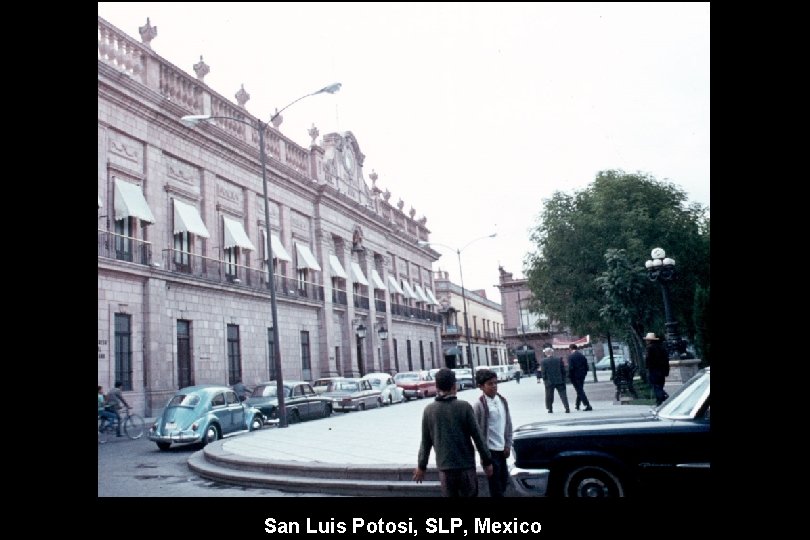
<point x="286" y="383"/>
<point x="203" y="388"/>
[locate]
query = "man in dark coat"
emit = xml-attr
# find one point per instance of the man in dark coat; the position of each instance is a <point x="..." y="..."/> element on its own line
<point x="578" y="368"/>
<point x="554" y="378"/>
<point x="657" y="366"/>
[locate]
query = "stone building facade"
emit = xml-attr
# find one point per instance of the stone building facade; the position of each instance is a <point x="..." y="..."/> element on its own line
<point x="183" y="290"/>
<point x="485" y="319"/>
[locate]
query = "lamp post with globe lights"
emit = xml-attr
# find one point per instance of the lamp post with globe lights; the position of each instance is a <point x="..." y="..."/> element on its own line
<point x="463" y="293"/>
<point x="193" y="120"/>
<point x="661" y="269"/>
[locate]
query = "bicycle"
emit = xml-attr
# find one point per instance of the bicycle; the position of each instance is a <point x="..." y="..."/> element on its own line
<point x="133" y="425"/>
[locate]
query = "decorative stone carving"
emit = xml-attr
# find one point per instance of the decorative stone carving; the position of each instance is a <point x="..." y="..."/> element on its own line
<point x="400" y="204"/>
<point x="386" y="195"/>
<point x="277" y="119"/>
<point x="313" y="132"/>
<point x="148" y="33"/>
<point x="201" y="69"/>
<point x="242" y="97"/>
<point x="412" y="212"/>
<point x="422" y="221"/>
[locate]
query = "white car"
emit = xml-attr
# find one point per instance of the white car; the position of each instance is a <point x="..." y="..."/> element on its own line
<point x="391" y="393"/>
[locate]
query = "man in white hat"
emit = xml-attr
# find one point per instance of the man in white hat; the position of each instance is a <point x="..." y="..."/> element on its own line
<point x="554" y="378"/>
<point x="657" y="365"/>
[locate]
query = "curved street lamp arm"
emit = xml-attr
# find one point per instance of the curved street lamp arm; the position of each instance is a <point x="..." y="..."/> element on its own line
<point x="331" y="89"/>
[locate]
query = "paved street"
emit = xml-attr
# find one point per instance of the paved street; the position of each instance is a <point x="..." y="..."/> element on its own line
<point x="379" y="436"/>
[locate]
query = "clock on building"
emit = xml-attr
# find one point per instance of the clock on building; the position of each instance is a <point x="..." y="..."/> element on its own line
<point x="348" y="159"/>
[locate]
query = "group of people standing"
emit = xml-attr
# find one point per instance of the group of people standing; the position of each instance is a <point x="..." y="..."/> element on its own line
<point x="457" y="429"/>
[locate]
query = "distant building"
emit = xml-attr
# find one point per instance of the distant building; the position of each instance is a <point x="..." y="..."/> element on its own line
<point x="183" y="295"/>
<point x="527" y="333"/>
<point x="485" y="321"/>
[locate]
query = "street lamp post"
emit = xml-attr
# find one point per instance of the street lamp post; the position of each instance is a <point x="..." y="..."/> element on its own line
<point x="463" y="292"/>
<point x="661" y="269"/>
<point x="192" y="121"/>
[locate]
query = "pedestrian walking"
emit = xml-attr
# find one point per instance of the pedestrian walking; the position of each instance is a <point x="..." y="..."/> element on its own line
<point x="553" y="371"/>
<point x="495" y="423"/>
<point x="449" y="426"/>
<point x="578" y="369"/>
<point x="658" y="366"/>
<point x="518" y="373"/>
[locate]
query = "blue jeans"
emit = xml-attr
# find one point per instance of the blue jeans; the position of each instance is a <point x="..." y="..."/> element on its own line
<point x="107" y="416"/>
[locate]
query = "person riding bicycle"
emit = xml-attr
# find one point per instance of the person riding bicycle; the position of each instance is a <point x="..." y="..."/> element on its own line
<point x="104" y="414"/>
<point x="114" y="400"/>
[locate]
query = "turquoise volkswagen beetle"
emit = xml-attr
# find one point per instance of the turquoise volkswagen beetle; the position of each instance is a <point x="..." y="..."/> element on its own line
<point x="203" y="414"/>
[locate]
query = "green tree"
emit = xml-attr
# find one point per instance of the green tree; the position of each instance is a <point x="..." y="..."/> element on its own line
<point x="619" y="211"/>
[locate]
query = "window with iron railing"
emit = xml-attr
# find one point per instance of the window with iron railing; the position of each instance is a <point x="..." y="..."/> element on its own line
<point x="123" y="350"/>
<point x="234" y="355"/>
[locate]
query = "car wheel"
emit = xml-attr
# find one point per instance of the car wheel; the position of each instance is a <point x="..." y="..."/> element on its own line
<point x="293" y="417"/>
<point x="257" y="423"/>
<point x="390" y="399"/>
<point x="362" y="406"/>
<point x="327" y="412"/>
<point x="211" y="434"/>
<point x="419" y="394"/>
<point x="380" y="402"/>
<point x="592" y="481"/>
<point x="164" y="445"/>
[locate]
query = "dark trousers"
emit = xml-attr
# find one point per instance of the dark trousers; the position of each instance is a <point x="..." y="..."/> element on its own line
<point x="550" y="395"/>
<point x="500" y="474"/>
<point x="579" y="388"/>
<point x="459" y="482"/>
<point x="657" y="382"/>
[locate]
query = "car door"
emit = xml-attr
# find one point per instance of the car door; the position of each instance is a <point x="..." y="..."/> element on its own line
<point x="221" y="412"/>
<point x="237" y="411"/>
<point x="315" y="407"/>
<point x="300" y="402"/>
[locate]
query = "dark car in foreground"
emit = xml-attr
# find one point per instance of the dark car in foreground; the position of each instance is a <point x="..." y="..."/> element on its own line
<point x="663" y="452"/>
<point x="203" y="414"/>
<point x="300" y="401"/>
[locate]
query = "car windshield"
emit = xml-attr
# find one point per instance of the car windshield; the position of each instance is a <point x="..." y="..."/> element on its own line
<point x="407" y="377"/>
<point x="265" y="390"/>
<point x="346" y="386"/>
<point x="184" y="400"/>
<point x="375" y="382"/>
<point x="686" y="401"/>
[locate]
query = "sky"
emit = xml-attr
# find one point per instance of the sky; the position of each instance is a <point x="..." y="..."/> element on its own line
<point x="473" y="114"/>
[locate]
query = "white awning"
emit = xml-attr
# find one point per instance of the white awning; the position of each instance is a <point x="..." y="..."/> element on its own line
<point x="376" y="280"/>
<point x="431" y="296"/>
<point x="99" y="201"/>
<point x="187" y="219"/>
<point x="337" y="268"/>
<point x="129" y="201"/>
<point x="235" y="235"/>
<point x="359" y="277"/>
<point x="279" y="252"/>
<point x="394" y="286"/>
<point x="306" y="259"/>
<point x="420" y="294"/>
<point x="408" y="291"/>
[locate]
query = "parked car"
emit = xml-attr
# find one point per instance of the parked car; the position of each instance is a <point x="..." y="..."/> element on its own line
<point x="320" y="385"/>
<point x="666" y="451"/>
<point x="604" y="363"/>
<point x="464" y="378"/>
<point x="390" y="392"/>
<point x="416" y="384"/>
<point x="353" y="395"/>
<point x="300" y="401"/>
<point x="203" y="414"/>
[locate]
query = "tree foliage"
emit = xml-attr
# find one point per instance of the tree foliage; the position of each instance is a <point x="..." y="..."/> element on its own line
<point x="588" y="269"/>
